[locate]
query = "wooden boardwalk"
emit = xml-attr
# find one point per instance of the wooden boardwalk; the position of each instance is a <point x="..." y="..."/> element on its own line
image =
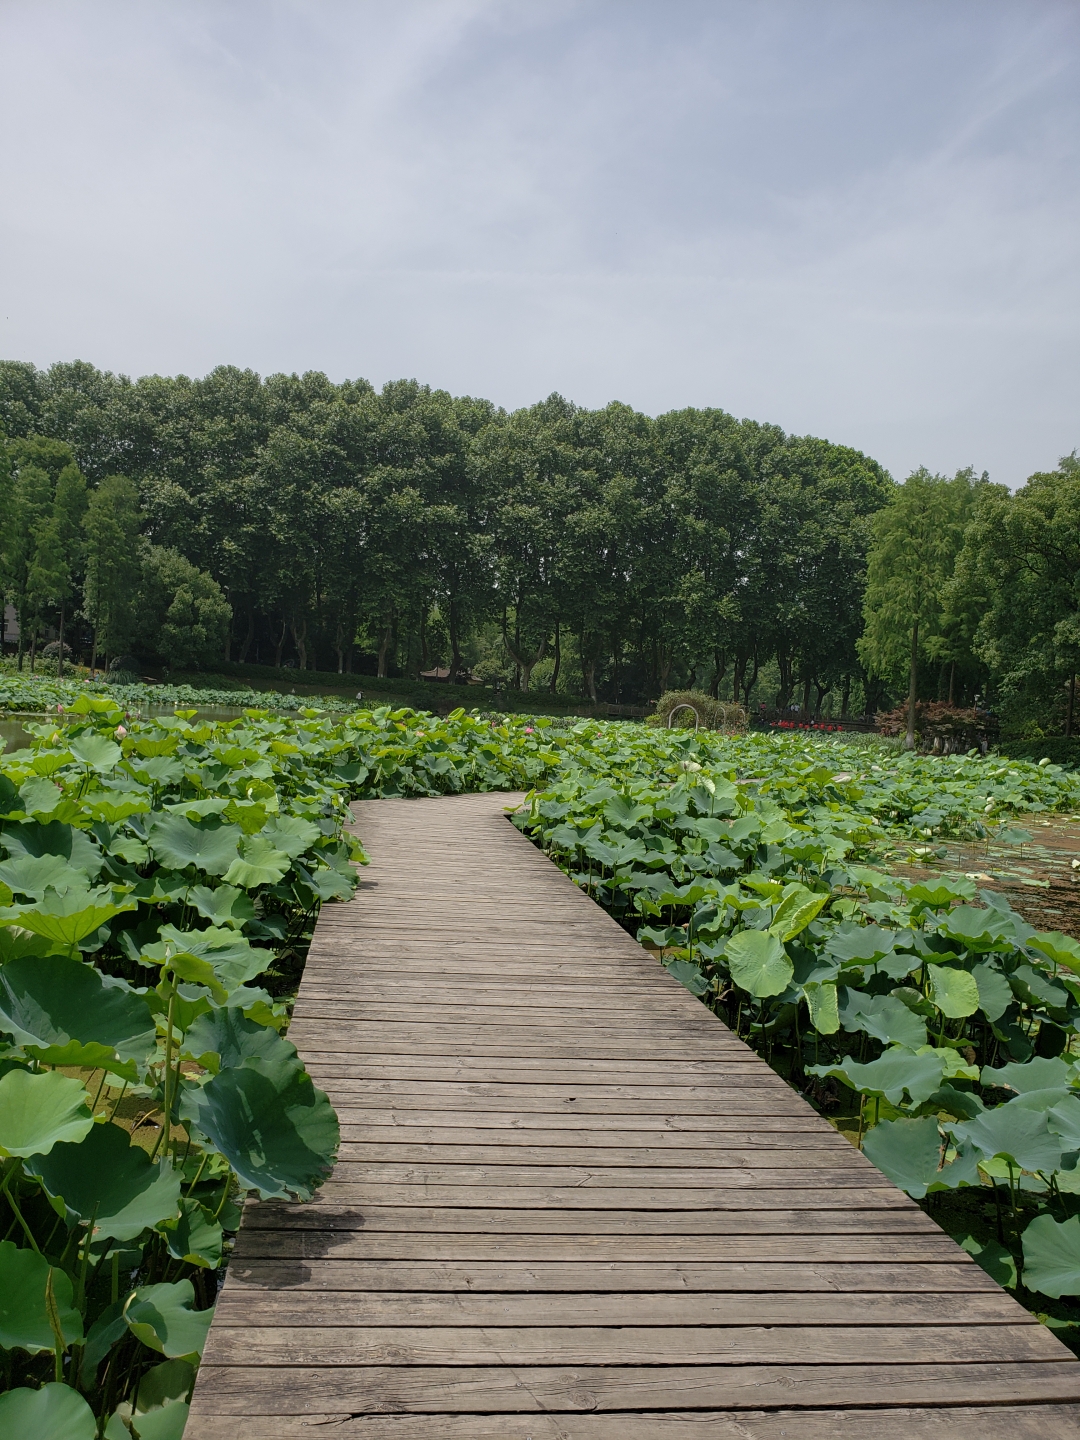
<point x="571" y="1205"/>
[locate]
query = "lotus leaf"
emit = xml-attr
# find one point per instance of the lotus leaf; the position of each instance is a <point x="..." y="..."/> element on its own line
<point x="34" y="874"/>
<point x="111" y="1180"/>
<point x="1061" y="949"/>
<point x="993" y="1258"/>
<point x="55" y="1412"/>
<point x="758" y="963"/>
<point x="224" y="906"/>
<point x="907" y="1151"/>
<point x="40" y="1111"/>
<point x="885" y="1017"/>
<point x="689" y="975"/>
<point x="259" y="863"/>
<point x="163" y="1317"/>
<point x="897" y="1072"/>
<point x="954" y="992"/>
<point x="797" y="908"/>
<point x="978" y="930"/>
<point x="24" y="1320"/>
<point x="54" y="838"/>
<point x="275" y="1129"/>
<point x="222" y="1038"/>
<point x="209" y="846"/>
<point x="1037" y="1074"/>
<point x="1052" y="1256"/>
<point x="1017" y="1135"/>
<point x="995" y="993"/>
<point x="66" y="1013"/>
<point x="70" y="917"/>
<point x="823" y="1004"/>
<point x="95" y="751"/>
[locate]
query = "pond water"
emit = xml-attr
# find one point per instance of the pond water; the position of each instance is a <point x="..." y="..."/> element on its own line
<point x="14" y="735"/>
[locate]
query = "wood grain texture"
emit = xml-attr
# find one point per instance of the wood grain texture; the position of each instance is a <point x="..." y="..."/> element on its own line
<point x="569" y="1204"/>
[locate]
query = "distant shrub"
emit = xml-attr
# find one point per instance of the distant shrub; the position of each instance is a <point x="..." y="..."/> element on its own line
<point x="940" y="727"/>
<point x="1055" y="748"/>
<point x="682" y="708"/>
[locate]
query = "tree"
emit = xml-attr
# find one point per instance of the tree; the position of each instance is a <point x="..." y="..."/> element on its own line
<point x="111" y="527"/>
<point x="1020" y="567"/>
<point x="182" y="613"/>
<point x="917" y="537"/>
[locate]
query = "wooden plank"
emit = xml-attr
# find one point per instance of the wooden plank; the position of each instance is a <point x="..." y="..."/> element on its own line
<point x="322" y="1275"/>
<point x="467" y="1308"/>
<point x="507" y="1388"/>
<point x="632" y="1344"/>
<point x="569" y="1204"/>
<point x="1051" y="1421"/>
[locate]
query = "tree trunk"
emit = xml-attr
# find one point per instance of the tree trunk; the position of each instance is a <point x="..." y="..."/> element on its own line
<point x="60" y="653"/>
<point x="845" y="697"/>
<point x="554" y="681"/>
<point x="93" y="653"/>
<point x="952" y="680"/>
<point x="279" y="644"/>
<point x="22" y="631"/>
<point x="249" y="636"/>
<point x="913" y="685"/>
<point x="384" y="649"/>
<point x="300" y="641"/>
<point x="806" y="697"/>
<point x="719" y="670"/>
<point x="453" y="623"/>
<point x="748" y="688"/>
<point x="736" y="682"/>
<point x="1072" y="708"/>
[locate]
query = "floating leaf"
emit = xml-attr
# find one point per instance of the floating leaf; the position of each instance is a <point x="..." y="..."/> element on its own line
<point x="24" y="1320"/>
<point x="55" y="1412"/>
<point x="759" y="963"/>
<point x="40" y="1111"/>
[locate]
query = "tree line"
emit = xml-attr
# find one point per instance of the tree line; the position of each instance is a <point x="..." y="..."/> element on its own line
<point x="604" y="553"/>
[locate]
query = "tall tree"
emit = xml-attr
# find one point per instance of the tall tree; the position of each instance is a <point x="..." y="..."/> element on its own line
<point x="111" y="527"/>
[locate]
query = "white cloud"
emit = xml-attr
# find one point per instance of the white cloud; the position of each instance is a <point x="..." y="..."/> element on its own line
<point x="858" y="221"/>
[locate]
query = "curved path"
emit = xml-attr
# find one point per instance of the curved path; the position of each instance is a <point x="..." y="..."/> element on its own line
<point x="571" y="1205"/>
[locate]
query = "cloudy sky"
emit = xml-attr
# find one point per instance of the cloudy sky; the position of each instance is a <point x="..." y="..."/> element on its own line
<point x="853" y="218"/>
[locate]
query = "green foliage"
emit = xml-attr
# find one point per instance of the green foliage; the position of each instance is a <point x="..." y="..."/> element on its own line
<point x="687" y="709"/>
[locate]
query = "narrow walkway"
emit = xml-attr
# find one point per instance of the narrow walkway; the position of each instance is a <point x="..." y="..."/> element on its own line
<point x="571" y="1205"/>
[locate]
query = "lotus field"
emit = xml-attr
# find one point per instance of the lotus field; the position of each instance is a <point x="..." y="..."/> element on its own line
<point x="159" y="881"/>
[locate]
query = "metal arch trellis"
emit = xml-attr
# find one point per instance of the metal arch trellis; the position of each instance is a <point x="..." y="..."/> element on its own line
<point x="685" y="706"/>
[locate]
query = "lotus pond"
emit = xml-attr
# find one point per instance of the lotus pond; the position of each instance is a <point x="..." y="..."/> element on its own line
<point x="159" y="882"/>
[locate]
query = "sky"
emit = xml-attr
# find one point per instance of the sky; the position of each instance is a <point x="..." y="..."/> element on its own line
<point x="858" y="219"/>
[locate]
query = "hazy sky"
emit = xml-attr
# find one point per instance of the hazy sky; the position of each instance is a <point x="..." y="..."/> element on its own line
<point x="854" y="218"/>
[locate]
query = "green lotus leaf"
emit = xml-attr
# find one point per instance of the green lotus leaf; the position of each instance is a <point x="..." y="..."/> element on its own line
<point x="995" y="993"/>
<point x="868" y="943"/>
<point x="897" y="1072"/>
<point x="54" y="838"/>
<point x="70" y="917"/>
<point x="1015" y="1134"/>
<point x="224" y="906"/>
<point x="55" y="1412"/>
<point x="797" y="908"/>
<point x="1061" y="949"/>
<point x="759" y="963"/>
<point x="193" y="1237"/>
<point x="96" y="751"/>
<point x="231" y="956"/>
<point x="291" y="834"/>
<point x="907" y="1151"/>
<point x="166" y="1423"/>
<point x="978" y="930"/>
<point x="689" y="975"/>
<point x="113" y="811"/>
<point x="885" y="1017"/>
<point x="159" y="769"/>
<point x="330" y="884"/>
<point x="39" y="796"/>
<point x="40" y="1111"/>
<point x="940" y="894"/>
<point x="223" y="1038"/>
<point x="823" y="1003"/>
<point x="1039" y="1074"/>
<point x="275" y="1129"/>
<point x="209" y="846"/>
<point x="165" y="1384"/>
<point x="1063" y="1119"/>
<point x="34" y="874"/>
<point x="67" y="1013"/>
<point x="198" y="809"/>
<point x="993" y="1258"/>
<point x="259" y="863"/>
<point x="1052" y="1256"/>
<point x="954" y="992"/>
<point x="107" y="1177"/>
<point x="163" y="1317"/>
<point x="24" y="1320"/>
